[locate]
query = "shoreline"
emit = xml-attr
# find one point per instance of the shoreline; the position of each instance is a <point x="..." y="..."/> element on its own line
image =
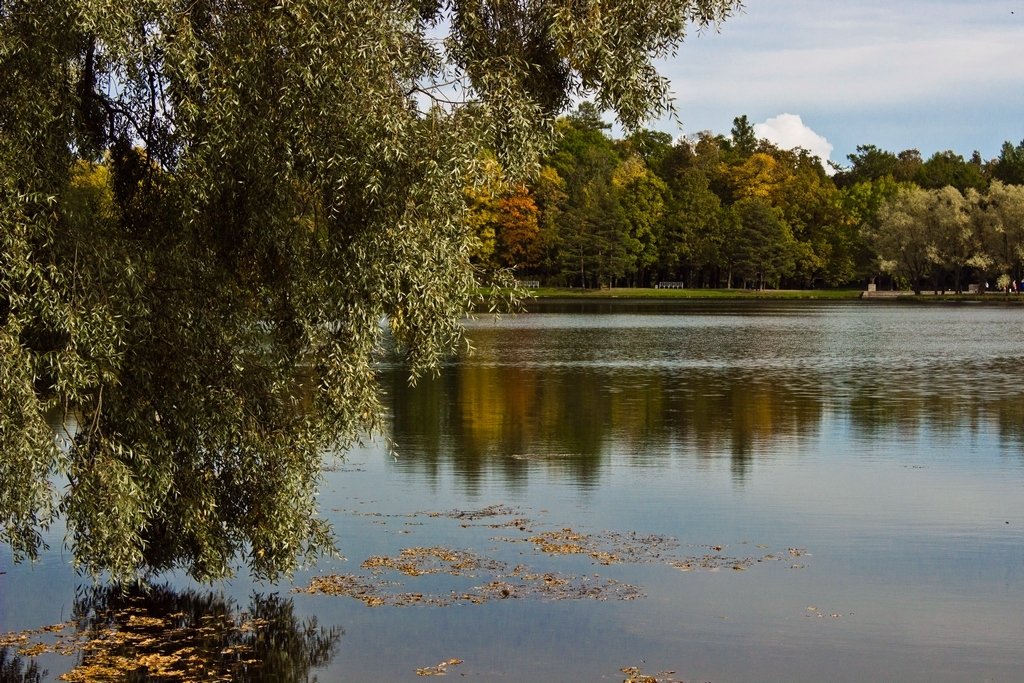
<point x="651" y="294"/>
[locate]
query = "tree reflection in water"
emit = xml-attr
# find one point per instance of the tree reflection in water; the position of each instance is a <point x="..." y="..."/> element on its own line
<point x="481" y="416"/>
<point x="154" y="633"/>
<point x="14" y="669"/>
<point x="488" y="417"/>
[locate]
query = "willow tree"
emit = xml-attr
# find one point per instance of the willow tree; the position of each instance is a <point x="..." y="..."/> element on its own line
<point x="904" y="240"/>
<point x="207" y="207"/>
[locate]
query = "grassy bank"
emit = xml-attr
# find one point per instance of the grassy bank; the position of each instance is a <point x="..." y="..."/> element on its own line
<point x="649" y="293"/>
<point x="638" y="293"/>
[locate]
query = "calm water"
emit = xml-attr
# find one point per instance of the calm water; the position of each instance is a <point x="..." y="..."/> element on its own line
<point x="862" y="464"/>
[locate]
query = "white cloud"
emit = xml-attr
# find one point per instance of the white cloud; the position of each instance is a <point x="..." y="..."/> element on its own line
<point x="859" y="76"/>
<point x="928" y="74"/>
<point x="788" y="131"/>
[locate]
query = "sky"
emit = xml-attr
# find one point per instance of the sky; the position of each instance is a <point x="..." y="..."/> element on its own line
<point x="829" y="75"/>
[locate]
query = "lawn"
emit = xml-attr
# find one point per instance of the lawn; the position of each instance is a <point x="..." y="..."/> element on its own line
<point x="650" y="293"/>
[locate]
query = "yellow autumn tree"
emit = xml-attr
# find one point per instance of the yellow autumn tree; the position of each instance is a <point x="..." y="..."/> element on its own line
<point x="759" y="176"/>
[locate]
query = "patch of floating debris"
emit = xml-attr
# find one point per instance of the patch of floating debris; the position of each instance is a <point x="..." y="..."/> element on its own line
<point x="439" y="669"/>
<point x="476" y="515"/>
<point x="607" y="548"/>
<point x="434" y="560"/>
<point x="383" y="586"/>
<point x="817" y="613"/>
<point x="519" y="583"/>
<point x="636" y="675"/>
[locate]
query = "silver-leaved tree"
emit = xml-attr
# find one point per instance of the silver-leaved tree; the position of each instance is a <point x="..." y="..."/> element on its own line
<point x="207" y="209"/>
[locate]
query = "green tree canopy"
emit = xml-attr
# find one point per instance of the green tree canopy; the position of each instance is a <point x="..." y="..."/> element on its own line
<point x="950" y="168"/>
<point x="641" y="196"/>
<point x="868" y="163"/>
<point x="283" y="177"/>
<point x="743" y="139"/>
<point x="764" y="246"/>
<point x="999" y="218"/>
<point x="1009" y="166"/>
<point x="692" y="222"/>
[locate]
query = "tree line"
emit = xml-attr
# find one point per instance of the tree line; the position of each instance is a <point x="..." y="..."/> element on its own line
<point x="735" y="211"/>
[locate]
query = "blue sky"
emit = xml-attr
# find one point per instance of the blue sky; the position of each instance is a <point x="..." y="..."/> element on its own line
<point x="925" y="74"/>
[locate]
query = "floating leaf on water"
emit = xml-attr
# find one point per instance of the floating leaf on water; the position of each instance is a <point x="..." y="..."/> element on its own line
<point x="635" y="675"/>
<point x="438" y="670"/>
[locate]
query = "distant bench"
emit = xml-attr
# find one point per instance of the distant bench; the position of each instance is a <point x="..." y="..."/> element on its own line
<point x="670" y="285"/>
<point x="528" y="284"/>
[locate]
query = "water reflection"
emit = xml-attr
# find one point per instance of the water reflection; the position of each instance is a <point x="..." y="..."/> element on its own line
<point x="942" y="402"/>
<point x="481" y="416"/>
<point x="157" y="633"/>
<point x="15" y="669"/>
<point x="875" y="451"/>
<point x="576" y="390"/>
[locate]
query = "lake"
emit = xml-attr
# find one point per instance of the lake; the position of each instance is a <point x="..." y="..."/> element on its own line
<point x="726" y="491"/>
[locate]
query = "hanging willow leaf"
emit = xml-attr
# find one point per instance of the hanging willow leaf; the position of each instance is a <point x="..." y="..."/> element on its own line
<point x="207" y="207"/>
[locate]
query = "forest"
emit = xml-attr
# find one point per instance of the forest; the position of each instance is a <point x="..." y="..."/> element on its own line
<point x="711" y="210"/>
